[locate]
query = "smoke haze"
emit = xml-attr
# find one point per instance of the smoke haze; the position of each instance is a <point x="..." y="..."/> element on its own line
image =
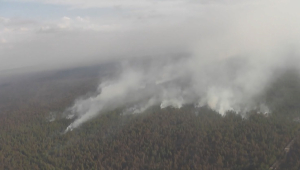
<point x="232" y="56"/>
<point x="217" y="53"/>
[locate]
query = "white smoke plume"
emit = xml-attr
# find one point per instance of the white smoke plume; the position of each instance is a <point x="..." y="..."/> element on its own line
<point x="227" y="65"/>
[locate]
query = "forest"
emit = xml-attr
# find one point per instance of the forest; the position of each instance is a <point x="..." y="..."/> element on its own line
<point x="186" y="138"/>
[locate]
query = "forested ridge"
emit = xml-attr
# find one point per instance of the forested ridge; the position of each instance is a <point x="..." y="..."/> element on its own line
<point x="186" y="138"/>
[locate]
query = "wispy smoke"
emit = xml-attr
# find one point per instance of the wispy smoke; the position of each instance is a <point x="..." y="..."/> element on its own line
<point x="229" y="64"/>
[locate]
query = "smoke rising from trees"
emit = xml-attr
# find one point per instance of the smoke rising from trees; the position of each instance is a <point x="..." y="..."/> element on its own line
<point x="220" y="54"/>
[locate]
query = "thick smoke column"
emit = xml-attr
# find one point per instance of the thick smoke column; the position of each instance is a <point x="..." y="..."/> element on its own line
<point x="228" y="84"/>
<point x="227" y="68"/>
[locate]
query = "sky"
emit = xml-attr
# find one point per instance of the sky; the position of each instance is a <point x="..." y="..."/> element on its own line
<point x="62" y="33"/>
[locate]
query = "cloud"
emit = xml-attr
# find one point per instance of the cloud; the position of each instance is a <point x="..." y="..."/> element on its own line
<point x="149" y="28"/>
<point x="182" y="26"/>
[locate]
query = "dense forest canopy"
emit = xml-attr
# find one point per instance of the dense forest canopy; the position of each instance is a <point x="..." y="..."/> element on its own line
<point x="164" y="84"/>
<point x="32" y="126"/>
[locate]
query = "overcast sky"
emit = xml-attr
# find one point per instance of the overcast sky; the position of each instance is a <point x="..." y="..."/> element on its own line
<point x="60" y="33"/>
